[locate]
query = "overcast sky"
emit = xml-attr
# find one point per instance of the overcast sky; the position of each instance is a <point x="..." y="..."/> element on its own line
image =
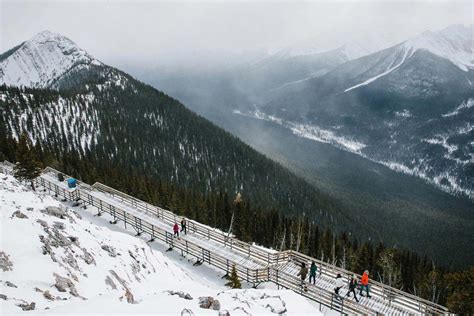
<point x="134" y="30"/>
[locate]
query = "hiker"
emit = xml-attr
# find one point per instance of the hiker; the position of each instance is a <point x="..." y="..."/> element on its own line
<point x="176" y="230"/>
<point x="352" y="287"/>
<point x="183" y="225"/>
<point x="312" y="272"/>
<point x="303" y="272"/>
<point x="339" y="284"/>
<point x="364" y="282"/>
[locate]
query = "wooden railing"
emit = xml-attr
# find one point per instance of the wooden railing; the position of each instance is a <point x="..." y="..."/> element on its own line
<point x="193" y="226"/>
<point x="268" y="261"/>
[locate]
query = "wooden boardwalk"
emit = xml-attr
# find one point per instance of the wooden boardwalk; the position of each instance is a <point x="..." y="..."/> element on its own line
<point x="211" y="246"/>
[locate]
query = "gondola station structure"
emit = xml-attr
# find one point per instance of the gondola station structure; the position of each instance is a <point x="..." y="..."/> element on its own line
<point x="206" y="245"/>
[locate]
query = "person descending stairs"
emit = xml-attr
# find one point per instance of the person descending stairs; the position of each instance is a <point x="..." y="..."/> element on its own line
<point x="364" y="283"/>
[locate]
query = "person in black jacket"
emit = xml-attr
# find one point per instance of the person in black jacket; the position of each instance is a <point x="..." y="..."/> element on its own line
<point x="302" y="273"/>
<point x="183" y="225"/>
<point x="353" y="286"/>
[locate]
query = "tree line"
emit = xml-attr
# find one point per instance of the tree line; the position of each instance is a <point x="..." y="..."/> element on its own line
<point x="268" y="227"/>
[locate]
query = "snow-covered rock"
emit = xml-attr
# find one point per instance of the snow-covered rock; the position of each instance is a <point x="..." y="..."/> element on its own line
<point x="454" y="43"/>
<point x="41" y="60"/>
<point x="57" y="260"/>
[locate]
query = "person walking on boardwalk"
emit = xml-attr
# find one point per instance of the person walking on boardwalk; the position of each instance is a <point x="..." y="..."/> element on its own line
<point x="312" y="272"/>
<point x="176" y="230"/>
<point x="339" y="284"/>
<point x="364" y="282"/>
<point x="302" y="273"/>
<point x="183" y="226"/>
<point x="352" y="287"/>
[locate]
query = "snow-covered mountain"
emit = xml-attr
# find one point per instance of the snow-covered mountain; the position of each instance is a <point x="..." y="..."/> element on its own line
<point x="454" y="43"/>
<point x="42" y="60"/>
<point x="390" y="102"/>
<point x="57" y="258"/>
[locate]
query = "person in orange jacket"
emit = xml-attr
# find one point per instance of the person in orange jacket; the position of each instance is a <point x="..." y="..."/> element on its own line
<point x="364" y="282"/>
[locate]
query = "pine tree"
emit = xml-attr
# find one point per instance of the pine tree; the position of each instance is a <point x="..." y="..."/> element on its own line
<point x="234" y="281"/>
<point x="27" y="166"/>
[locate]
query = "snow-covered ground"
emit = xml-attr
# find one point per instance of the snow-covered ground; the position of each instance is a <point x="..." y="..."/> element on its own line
<point x="66" y="260"/>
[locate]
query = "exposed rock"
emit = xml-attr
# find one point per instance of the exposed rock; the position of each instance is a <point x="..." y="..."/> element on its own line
<point x="129" y="296"/>
<point x="73" y="239"/>
<point x="119" y="279"/>
<point x="3" y="297"/>
<point x="47" y="250"/>
<point x="9" y="284"/>
<point x="28" y="307"/>
<point x="59" y="225"/>
<point x="275" y="310"/>
<point x="71" y="261"/>
<point x="181" y="294"/>
<point x="88" y="258"/>
<point x="224" y="313"/>
<point x="110" y="250"/>
<point x="110" y="282"/>
<point x="42" y="223"/>
<point x="74" y="277"/>
<point x="19" y="214"/>
<point x="55" y="211"/>
<point x="5" y="263"/>
<point x="209" y="302"/>
<point x="63" y="284"/>
<point x="29" y="209"/>
<point x="47" y="295"/>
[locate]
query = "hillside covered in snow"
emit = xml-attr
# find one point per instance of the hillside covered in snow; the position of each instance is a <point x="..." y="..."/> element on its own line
<point x="42" y="60"/>
<point x="57" y="258"/>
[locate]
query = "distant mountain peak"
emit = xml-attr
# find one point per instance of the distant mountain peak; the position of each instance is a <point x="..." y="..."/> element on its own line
<point x="41" y="60"/>
<point x="454" y="43"/>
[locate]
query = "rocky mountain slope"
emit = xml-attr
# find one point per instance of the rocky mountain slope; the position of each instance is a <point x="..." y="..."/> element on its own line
<point x="57" y="258"/>
<point x="42" y="60"/>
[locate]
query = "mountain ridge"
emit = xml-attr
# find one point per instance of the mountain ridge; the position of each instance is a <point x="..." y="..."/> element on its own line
<point x="43" y="59"/>
<point x="99" y="111"/>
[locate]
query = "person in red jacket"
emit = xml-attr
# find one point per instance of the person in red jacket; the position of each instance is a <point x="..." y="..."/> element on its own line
<point x="364" y="282"/>
<point x="176" y="230"/>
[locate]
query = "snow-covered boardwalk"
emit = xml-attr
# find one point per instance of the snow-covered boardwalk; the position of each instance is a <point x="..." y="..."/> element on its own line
<point x="211" y="246"/>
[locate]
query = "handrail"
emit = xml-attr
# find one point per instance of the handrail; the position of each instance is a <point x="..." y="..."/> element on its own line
<point x="272" y="258"/>
<point x="200" y="228"/>
<point x="269" y="260"/>
<point x="434" y="306"/>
